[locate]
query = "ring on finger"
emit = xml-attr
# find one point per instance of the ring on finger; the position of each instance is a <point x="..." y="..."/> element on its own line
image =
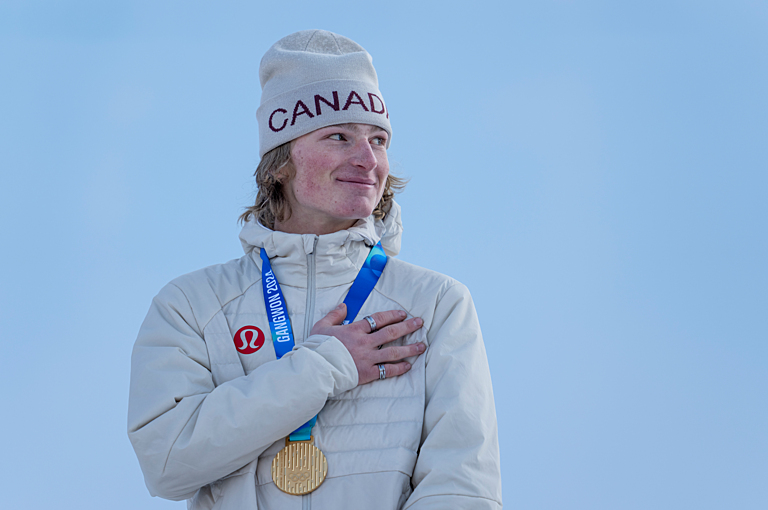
<point x="371" y="322"/>
<point x="382" y="372"/>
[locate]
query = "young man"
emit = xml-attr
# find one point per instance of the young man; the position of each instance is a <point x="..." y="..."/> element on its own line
<point x="317" y="371"/>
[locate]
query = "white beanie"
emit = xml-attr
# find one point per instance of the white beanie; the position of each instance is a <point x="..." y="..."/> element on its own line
<point x="312" y="79"/>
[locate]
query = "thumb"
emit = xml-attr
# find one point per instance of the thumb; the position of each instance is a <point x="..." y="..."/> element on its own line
<point x="335" y="317"/>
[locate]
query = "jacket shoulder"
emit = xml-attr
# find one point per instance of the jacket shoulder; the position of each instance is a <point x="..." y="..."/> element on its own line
<point x="415" y="287"/>
<point x="209" y="289"/>
<point x="404" y="269"/>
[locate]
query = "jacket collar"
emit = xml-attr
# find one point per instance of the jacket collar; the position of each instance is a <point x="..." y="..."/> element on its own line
<point x="337" y="257"/>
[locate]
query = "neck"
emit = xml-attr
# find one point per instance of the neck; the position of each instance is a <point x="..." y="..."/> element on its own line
<point x="312" y="226"/>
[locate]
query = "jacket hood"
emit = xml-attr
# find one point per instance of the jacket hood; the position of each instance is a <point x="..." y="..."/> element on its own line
<point x="369" y="230"/>
<point x="338" y="256"/>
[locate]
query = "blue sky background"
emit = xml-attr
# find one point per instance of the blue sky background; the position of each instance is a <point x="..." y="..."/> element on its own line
<point x="596" y="172"/>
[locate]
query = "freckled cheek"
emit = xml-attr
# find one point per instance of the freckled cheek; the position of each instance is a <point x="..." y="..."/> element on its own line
<point x="310" y="188"/>
<point x="316" y="160"/>
<point x="384" y="173"/>
<point x="305" y="188"/>
<point x="382" y="165"/>
<point x="312" y="173"/>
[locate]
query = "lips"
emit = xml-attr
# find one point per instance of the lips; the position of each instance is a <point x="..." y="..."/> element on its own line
<point x="357" y="180"/>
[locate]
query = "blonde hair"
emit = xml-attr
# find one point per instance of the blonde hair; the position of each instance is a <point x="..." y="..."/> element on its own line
<point x="274" y="170"/>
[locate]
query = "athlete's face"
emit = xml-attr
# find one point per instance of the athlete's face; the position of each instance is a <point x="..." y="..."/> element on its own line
<point x="339" y="177"/>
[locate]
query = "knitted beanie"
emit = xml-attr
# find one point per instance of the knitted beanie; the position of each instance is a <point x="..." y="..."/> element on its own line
<point x="312" y="79"/>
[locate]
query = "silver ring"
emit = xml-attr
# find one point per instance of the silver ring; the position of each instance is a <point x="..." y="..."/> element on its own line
<point x="382" y="372"/>
<point x="371" y="322"/>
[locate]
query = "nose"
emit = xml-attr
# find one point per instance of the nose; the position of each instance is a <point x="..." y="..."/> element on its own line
<point x="363" y="156"/>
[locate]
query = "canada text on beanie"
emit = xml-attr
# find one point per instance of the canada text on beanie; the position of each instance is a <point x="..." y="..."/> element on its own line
<point x="312" y="79"/>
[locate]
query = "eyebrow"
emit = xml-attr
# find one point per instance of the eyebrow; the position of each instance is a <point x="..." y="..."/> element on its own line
<point x="356" y="127"/>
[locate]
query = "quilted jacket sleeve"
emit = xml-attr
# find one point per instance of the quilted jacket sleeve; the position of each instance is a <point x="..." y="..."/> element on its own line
<point x="458" y="462"/>
<point x="188" y="433"/>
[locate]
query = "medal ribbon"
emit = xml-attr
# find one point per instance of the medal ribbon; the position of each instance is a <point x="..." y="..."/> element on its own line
<point x="280" y="323"/>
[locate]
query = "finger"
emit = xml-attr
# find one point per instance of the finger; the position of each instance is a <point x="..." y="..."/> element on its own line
<point x="395" y="331"/>
<point x="334" y="317"/>
<point x="391" y="370"/>
<point x="382" y="319"/>
<point x="397" y="353"/>
<point x="395" y="369"/>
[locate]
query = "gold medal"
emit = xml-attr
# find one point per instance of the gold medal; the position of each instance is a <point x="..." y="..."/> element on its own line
<point x="299" y="468"/>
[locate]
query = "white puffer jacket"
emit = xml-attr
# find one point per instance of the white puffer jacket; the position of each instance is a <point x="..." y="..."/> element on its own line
<point x="206" y="421"/>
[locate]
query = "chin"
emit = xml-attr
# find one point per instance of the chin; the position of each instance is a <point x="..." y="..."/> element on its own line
<point x="358" y="212"/>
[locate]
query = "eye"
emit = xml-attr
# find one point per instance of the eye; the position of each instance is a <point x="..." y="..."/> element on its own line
<point x="379" y="140"/>
<point x="338" y="137"/>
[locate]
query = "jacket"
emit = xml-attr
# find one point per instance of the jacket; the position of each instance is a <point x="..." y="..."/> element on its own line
<point x="206" y="420"/>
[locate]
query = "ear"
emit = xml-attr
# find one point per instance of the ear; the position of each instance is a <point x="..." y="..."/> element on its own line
<point x="285" y="173"/>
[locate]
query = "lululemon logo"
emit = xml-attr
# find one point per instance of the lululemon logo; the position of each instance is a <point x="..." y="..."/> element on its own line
<point x="249" y="339"/>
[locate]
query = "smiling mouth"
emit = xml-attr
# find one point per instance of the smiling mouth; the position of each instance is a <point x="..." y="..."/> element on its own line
<point x="357" y="181"/>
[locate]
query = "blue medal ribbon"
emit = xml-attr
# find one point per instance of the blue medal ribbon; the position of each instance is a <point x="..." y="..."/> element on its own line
<point x="280" y="323"/>
<point x="365" y="281"/>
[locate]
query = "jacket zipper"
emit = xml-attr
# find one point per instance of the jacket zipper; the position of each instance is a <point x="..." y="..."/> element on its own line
<point x="310" y="307"/>
<point x="306" y="502"/>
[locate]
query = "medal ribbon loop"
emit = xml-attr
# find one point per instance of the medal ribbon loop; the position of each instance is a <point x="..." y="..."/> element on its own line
<point x="280" y="322"/>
